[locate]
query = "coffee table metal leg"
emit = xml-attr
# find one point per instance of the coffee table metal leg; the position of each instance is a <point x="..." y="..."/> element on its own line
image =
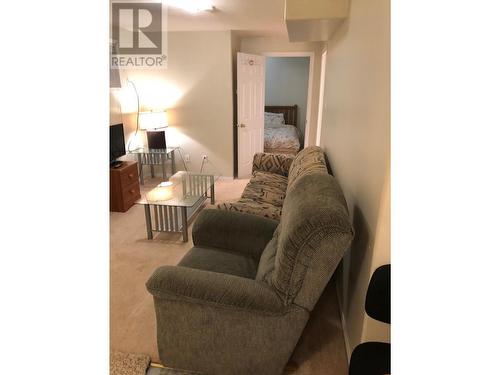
<point x="172" y="156"/>
<point x="139" y="162"/>
<point x="163" y="169"/>
<point x="149" y="230"/>
<point x="212" y="190"/>
<point x="184" y="224"/>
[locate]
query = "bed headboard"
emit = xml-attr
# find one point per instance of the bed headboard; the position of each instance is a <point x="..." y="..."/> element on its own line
<point x="289" y="112"/>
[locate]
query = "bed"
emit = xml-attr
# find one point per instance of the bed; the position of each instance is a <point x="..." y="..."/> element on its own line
<point x="281" y="135"/>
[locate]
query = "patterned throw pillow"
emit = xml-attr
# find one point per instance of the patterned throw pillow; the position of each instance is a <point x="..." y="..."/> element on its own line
<point x="273" y="119"/>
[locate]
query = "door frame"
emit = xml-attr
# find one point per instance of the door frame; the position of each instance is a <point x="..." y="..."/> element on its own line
<point x="309" y="85"/>
<point x="321" y="96"/>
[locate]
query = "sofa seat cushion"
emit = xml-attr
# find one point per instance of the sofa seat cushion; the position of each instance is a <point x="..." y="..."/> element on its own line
<point x="270" y="178"/>
<point x="266" y="187"/>
<point x="221" y="261"/>
<point x="250" y="206"/>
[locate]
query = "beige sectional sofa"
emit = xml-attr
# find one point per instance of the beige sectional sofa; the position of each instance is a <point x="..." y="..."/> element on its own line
<point x="272" y="177"/>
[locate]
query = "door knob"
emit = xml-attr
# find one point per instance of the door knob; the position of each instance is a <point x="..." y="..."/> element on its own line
<point x="243" y="126"/>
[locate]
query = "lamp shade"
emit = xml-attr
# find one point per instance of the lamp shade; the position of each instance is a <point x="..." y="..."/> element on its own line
<point x="153" y="120"/>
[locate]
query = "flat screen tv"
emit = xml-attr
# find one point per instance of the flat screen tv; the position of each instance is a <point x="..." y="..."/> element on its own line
<point x="116" y="144"/>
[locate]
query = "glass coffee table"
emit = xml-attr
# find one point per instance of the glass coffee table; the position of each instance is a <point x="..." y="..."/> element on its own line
<point x="169" y="206"/>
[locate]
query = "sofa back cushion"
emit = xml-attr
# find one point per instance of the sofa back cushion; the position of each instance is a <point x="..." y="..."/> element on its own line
<point x="308" y="161"/>
<point x="273" y="163"/>
<point x="309" y="242"/>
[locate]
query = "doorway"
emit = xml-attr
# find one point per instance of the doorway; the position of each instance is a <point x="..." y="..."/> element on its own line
<point x="251" y="132"/>
<point x="289" y="81"/>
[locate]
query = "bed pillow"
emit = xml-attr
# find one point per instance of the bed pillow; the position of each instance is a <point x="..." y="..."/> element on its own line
<point x="273" y="119"/>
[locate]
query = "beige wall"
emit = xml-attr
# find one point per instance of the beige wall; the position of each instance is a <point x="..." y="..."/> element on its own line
<point x="356" y="139"/>
<point x="281" y="44"/>
<point x="374" y="330"/>
<point x="196" y="90"/>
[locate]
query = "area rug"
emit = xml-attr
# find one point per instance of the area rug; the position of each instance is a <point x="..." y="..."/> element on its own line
<point x="128" y="363"/>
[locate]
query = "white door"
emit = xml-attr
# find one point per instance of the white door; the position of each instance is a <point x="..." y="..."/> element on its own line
<point x="250" y="127"/>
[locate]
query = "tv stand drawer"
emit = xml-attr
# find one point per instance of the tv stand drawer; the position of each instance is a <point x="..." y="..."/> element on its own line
<point x="129" y="175"/>
<point x="130" y="194"/>
<point x="124" y="187"/>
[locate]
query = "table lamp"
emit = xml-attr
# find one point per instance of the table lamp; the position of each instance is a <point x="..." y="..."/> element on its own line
<point x="153" y="122"/>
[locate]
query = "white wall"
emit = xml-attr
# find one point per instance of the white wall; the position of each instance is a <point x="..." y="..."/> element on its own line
<point x="356" y="138"/>
<point x="261" y="45"/>
<point x="287" y="80"/>
<point x="196" y="90"/>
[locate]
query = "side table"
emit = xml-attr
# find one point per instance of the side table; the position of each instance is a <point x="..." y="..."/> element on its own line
<point x="146" y="156"/>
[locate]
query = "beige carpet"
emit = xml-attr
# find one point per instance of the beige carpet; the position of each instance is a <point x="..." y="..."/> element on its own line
<point x="133" y="258"/>
<point x="128" y="363"/>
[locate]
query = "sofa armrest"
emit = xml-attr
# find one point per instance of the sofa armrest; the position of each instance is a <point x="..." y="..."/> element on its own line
<point x="213" y="288"/>
<point x="233" y="231"/>
<point x="274" y="163"/>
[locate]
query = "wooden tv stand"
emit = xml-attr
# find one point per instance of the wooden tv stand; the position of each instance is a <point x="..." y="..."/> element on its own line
<point x="123" y="186"/>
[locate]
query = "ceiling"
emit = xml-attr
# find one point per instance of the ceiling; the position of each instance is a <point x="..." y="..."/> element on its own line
<point x="248" y="17"/>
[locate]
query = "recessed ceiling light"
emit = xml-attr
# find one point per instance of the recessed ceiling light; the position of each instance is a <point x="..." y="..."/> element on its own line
<point x="191" y="6"/>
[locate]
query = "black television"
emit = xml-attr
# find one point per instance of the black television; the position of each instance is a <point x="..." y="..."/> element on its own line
<point x="116" y="144"/>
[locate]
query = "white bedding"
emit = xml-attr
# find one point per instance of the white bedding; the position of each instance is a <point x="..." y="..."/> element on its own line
<point x="283" y="137"/>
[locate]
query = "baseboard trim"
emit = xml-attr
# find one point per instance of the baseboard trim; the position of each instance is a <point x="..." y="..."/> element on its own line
<point x="157" y="365"/>
<point x="344" y="327"/>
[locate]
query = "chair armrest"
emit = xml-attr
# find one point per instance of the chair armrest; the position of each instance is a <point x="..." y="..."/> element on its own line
<point x="233" y="231"/>
<point x="213" y="288"/>
<point x="274" y="163"/>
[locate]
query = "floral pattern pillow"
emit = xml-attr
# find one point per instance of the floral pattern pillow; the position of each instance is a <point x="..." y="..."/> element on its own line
<point x="272" y="120"/>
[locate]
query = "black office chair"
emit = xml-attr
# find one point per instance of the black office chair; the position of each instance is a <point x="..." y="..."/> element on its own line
<point x="374" y="358"/>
